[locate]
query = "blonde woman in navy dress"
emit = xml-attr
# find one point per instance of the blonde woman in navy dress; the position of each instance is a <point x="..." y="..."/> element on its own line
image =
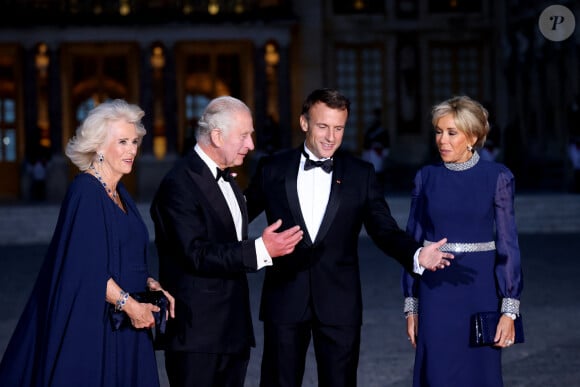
<point x="471" y="202"/>
<point x="96" y="260"/>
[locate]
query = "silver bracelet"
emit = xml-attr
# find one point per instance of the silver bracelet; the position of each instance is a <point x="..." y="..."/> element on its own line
<point x="120" y="303"/>
<point x="510" y="305"/>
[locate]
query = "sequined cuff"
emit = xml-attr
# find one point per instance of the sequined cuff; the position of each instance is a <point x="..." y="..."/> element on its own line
<point x="510" y="305"/>
<point x="411" y="306"/>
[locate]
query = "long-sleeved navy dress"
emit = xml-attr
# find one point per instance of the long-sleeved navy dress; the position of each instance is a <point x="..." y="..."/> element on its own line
<point x="64" y="336"/>
<point x="467" y="203"/>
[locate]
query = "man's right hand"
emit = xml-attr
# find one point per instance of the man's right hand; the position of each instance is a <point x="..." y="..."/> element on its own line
<point x="281" y="243"/>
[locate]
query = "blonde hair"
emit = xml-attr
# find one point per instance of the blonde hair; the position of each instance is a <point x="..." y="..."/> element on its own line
<point x="92" y="133"/>
<point x="469" y="115"/>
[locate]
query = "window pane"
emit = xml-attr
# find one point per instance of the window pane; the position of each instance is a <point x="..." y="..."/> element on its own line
<point x="359" y="72"/>
<point x="9" y="145"/>
<point x="9" y="111"/>
<point x="455" y="70"/>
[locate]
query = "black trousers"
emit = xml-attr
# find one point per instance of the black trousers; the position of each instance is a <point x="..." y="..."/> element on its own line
<point x="189" y="369"/>
<point x="336" y="350"/>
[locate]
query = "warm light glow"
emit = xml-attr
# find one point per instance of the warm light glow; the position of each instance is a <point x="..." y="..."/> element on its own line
<point x="213" y="7"/>
<point x="271" y="57"/>
<point x="239" y="7"/>
<point x="42" y="59"/>
<point x="125" y="8"/>
<point x="359" y="4"/>
<point x="157" y="58"/>
<point x="159" y="147"/>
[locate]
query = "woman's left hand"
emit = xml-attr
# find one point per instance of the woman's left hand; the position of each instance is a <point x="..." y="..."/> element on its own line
<point x="505" y="332"/>
<point x="141" y="314"/>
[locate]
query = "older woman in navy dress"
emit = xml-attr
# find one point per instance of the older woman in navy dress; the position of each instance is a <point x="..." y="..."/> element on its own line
<point x="96" y="259"/>
<point x="471" y="202"/>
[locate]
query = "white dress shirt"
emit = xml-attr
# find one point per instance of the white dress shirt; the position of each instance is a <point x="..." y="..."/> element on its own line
<point x="313" y="193"/>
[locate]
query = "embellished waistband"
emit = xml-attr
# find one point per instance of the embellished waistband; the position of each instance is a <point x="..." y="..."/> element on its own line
<point x="464" y="247"/>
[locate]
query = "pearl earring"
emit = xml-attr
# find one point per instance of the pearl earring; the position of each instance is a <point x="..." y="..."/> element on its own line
<point x="470" y="148"/>
<point x="101" y="157"/>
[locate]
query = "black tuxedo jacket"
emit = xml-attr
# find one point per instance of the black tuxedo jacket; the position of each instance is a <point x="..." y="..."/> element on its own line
<point x="324" y="271"/>
<point x="201" y="262"/>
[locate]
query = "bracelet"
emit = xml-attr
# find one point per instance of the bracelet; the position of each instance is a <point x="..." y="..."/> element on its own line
<point x="120" y="303"/>
<point x="513" y="316"/>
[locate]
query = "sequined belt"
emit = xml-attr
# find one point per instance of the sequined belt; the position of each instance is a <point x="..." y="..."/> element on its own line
<point x="464" y="247"/>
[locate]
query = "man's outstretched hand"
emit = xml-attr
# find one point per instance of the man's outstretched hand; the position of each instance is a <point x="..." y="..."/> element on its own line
<point x="283" y="242"/>
<point x="432" y="259"/>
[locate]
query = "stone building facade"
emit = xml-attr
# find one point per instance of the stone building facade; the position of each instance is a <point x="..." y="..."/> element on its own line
<point x="399" y="57"/>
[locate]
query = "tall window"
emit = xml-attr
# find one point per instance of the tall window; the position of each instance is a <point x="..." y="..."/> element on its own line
<point x="96" y="73"/>
<point x="12" y="139"/>
<point x="455" y="69"/>
<point x="209" y="70"/>
<point x="8" y="129"/>
<point x="360" y="77"/>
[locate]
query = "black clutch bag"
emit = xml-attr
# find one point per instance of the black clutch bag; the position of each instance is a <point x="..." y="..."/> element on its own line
<point x="155" y="297"/>
<point x="484" y="325"/>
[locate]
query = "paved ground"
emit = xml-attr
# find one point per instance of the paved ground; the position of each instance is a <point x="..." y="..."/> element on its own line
<point x="26" y="223"/>
<point x="550" y="306"/>
<point x="549" y="226"/>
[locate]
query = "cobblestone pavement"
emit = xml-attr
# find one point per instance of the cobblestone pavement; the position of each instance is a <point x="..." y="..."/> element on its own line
<point x="549" y="357"/>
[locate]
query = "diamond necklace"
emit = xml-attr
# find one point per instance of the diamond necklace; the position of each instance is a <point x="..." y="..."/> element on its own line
<point x="112" y="194"/>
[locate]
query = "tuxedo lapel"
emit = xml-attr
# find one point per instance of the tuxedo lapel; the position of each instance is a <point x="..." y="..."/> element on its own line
<point x="334" y="198"/>
<point x="292" y="193"/>
<point x="243" y="208"/>
<point x="206" y="183"/>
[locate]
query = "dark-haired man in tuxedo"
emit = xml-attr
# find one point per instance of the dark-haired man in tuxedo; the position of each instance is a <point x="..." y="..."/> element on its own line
<point x="315" y="292"/>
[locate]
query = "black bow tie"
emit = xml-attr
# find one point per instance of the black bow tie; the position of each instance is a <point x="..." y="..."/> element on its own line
<point x="326" y="165"/>
<point x="224" y="174"/>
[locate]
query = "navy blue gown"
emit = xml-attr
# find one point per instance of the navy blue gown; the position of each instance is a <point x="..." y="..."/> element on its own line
<point x="64" y="336"/>
<point x="473" y="205"/>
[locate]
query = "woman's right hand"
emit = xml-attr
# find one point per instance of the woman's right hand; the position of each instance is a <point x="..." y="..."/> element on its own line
<point x="412" y="326"/>
<point x="140" y="314"/>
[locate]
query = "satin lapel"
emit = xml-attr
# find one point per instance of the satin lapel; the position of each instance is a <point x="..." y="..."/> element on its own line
<point x="333" y="200"/>
<point x="292" y="194"/>
<point x="206" y="183"/>
<point x="243" y="208"/>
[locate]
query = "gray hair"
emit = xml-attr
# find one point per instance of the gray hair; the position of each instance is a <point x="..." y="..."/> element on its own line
<point x="92" y="133"/>
<point x="218" y="115"/>
<point x="469" y="115"/>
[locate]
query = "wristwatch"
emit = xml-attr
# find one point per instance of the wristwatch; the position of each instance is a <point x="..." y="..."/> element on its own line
<point x="510" y="315"/>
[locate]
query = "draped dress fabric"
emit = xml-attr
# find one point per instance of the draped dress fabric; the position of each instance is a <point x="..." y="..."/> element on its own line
<point x="474" y="205"/>
<point x="64" y="336"/>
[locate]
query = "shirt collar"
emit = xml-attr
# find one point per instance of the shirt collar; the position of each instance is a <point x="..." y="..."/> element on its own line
<point x="207" y="160"/>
